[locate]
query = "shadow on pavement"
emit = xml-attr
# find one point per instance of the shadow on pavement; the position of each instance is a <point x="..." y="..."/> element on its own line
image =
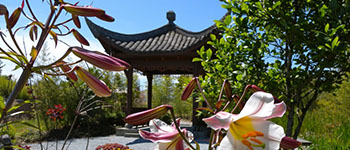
<point x="138" y="141"/>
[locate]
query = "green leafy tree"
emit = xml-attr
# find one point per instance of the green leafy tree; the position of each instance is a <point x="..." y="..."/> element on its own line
<point x="163" y="90"/>
<point x="293" y="49"/>
<point x="167" y="89"/>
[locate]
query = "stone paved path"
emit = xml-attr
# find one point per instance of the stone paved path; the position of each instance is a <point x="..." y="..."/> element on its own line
<point x="80" y="144"/>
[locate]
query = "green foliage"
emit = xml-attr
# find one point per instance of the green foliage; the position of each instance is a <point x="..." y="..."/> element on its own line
<point x="168" y="90"/>
<point x="293" y="49"/>
<point x="64" y="91"/>
<point x="328" y="124"/>
<point x="6" y="86"/>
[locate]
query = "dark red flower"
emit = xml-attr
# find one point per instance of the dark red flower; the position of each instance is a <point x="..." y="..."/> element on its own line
<point x="26" y="147"/>
<point x="56" y="113"/>
<point x="112" y="146"/>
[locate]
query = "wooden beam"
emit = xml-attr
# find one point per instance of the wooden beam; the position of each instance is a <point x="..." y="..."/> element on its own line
<point x="149" y="90"/>
<point x="129" y="76"/>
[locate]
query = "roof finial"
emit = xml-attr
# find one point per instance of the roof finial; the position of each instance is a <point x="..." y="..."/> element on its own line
<point x="171" y="16"/>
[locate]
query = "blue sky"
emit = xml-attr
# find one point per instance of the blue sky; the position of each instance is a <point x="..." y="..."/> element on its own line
<point x="131" y="17"/>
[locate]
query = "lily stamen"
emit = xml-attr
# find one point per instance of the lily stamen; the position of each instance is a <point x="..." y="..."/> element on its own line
<point x="256" y="141"/>
<point x="251" y="136"/>
<point x="247" y="143"/>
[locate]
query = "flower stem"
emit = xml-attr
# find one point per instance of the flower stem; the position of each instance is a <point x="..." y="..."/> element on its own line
<point x="70" y="131"/>
<point x="56" y="138"/>
<point x="179" y="130"/>
<point x="212" y="133"/>
<point x="36" y="114"/>
<point x="240" y="99"/>
<point x="75" y="119"/>
<point x="201" y="91"/>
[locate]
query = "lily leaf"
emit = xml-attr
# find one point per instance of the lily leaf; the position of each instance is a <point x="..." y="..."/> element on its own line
<point x="21" y="104"/>
<point x="34" y="53"/>
<point x="197" y="145"/>
<point x="11" y="59"/>
<point x="2" y="103"/>
<point x="20" y="122"/>
<point x="54" y="36"/>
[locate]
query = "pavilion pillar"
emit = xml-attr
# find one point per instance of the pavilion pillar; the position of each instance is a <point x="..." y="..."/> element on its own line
<point x="195" y="120"/>
<point x="129" y="76"/>
<point x="149" y="90"/>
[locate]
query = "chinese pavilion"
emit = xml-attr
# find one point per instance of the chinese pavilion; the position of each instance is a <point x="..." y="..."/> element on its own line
<point x="166" y="50"/>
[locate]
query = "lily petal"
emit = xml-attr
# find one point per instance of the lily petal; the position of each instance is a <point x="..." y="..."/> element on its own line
<point x="147" y="115"/>
<point x="261" y="105"/>
<point x="100" y="60"/>
<point x="157" y="125"/>
<point x="278" y="111"/>
<point x="229" y="143"/>
<point x="221" y="120"/>
<point x="273" y="133"/>
<point x="173" y="145"/>
<point x="166" y="136"/>
<point x="96" y="85"/>
<point x="159" y="137"/>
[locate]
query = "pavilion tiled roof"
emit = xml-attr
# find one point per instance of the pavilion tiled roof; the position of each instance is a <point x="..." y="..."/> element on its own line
<point x="169" y="38"/>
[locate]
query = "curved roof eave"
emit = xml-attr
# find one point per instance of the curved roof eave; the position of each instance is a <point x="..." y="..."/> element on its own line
<point x="168" y="38"/>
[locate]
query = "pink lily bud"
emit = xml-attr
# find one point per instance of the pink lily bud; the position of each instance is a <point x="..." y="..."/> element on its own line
<point x="79" y="37"/>
<point x="83" y="11"/>
<point x="100" y="60"/>
<point x="65" y="68"/>
<point x="70" y="75"/>
<point x="96" y="85"/>
<point x="147" y="115"/>
<point x="14" y="18"/>
<point x="189" y="88"/>
<point x="106" y="17"/>
<point x="228" y="90"/>
<point x="3" y="10"/>
<point x="254" y="88"/>
<point x="289" y="143"/>
<point x="33" y="33"/>
<point x="76" y="20"/>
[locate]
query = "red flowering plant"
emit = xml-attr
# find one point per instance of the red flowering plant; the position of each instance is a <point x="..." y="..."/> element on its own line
<point x="112" y="146"/>
<point x="54" y="27"/>
<point x="24" y="147"/>
<point x="56" y="113"/>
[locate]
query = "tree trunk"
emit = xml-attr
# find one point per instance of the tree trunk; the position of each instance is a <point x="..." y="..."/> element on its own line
<point x="304" y="110"/>
<point x="300" y="123"/>
<point x="290" y="122"/>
